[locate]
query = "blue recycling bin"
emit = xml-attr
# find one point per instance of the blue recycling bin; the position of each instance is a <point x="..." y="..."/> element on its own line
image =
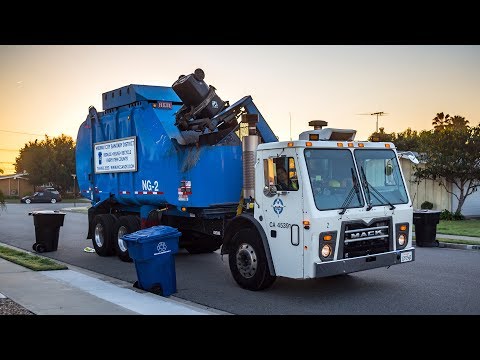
<point x="152" y="251"/>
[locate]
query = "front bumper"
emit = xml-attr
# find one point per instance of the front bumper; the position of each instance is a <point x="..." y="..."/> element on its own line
<point x="345" y="266"/>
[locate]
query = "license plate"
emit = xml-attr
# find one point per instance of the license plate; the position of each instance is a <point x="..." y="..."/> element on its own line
<point x="406" y="256"/>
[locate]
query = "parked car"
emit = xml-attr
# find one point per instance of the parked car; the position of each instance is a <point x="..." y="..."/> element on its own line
<point x="50" y="195"/>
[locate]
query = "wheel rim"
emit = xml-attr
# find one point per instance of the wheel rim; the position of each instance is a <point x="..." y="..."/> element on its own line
<point x="99" y="236"/>
<point x="121" y="244"/>
<point x="246" y="261"/>
<point x="28" y="201"/>
<point x="53" y="201"/>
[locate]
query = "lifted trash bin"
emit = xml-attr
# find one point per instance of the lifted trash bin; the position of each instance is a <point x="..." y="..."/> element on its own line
<point x="152" y="250"/>
<point x="47" y="228"/>
<point x="425" y="222"/>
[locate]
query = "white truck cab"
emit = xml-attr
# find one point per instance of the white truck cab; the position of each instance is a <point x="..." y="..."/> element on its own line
<point x="344" y="208"/>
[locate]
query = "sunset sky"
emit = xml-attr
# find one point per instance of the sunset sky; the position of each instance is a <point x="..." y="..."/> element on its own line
<point x="48" y="89"/>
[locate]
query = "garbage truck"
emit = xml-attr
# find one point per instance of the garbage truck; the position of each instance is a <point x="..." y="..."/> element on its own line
<point x="320" y="205"/>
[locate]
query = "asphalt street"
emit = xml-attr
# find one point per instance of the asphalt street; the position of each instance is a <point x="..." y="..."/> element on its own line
<point x="440" y="281"/>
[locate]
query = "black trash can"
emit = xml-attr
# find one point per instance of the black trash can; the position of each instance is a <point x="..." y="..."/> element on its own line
<point x="425" y="222"/>
<point x="47" y="228"/>
<point x="152" y="250"/>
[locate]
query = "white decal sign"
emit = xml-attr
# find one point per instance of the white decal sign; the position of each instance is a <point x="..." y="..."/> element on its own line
<point x="115" y="156"/>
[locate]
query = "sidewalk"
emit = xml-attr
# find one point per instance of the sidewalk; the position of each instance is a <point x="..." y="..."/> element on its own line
<point x="78" y="291"/>
<point x="81" y="292"/>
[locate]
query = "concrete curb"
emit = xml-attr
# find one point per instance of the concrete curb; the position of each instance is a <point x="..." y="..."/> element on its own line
<point x="452" y="246"/>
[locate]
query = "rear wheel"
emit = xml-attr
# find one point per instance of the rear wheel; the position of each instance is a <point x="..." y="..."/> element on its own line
<point x="28" y="201"/>
<point x="125" y="225"/>
<point x="53" y="201"/>
<point x="103" y="226"/>
<point x="248" y="262"/>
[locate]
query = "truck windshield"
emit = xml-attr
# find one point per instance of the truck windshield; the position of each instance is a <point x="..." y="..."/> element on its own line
<point x="382" y="172"/>
<point x="332" y="179"/>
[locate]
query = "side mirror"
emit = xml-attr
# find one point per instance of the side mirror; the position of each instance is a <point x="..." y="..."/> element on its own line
<point x="270" y="191"/>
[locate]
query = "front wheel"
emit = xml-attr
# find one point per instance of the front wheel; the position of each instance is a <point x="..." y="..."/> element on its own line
<point x="53" y="201"/>
<point x="248" y="261"/>
<point x="28" y="201"/>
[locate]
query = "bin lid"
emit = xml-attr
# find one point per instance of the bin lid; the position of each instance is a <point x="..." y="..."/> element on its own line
<point x="152" y="233"/>
<point x="46" y="212"/>
<point x="426" y="211"/>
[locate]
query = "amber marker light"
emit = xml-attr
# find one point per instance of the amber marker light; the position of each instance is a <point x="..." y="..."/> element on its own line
<point x="308" y="143"/>
<point x="290" y="144"/>
<point x="340" y="144"/>
<point x="403" y="227"/>
<point x="387" y="146"/>
<point x="327" y="238"/>
<point x="350" y="144"/>
<point x="361" y="145"/>
<point x="184" y="209"/>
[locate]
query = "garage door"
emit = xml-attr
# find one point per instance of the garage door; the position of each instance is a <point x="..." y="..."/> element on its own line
<point x="471" y="206"/>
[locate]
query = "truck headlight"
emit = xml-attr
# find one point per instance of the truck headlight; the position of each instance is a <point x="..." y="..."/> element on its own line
<point x="326" y="251"/>
<point x="402" y="240"/>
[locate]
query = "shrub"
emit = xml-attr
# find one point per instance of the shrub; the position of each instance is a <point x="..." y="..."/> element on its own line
<point x="447" y="215"/>
<point x="426" y="205"/>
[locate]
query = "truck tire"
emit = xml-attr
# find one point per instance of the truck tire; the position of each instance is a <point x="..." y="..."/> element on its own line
<point x="103" y="227"/>
<point x="125" y="225"/>
<point x="248" y="262"/>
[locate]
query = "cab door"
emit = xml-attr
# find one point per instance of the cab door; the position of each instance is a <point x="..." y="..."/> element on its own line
<point x="283" y="211"/>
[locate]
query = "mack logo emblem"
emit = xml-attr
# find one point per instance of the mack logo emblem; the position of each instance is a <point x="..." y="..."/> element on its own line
<point x="365" y="234"/>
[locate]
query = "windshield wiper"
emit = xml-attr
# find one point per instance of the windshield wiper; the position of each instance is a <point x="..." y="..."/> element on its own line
<point x="367" y="189"/>
<point x="376" y="193"/>
<point x="349" y="198"/>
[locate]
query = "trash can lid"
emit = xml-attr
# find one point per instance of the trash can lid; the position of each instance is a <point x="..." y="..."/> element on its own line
<point x="152" y="233"/>
<point x="46" y="212"/>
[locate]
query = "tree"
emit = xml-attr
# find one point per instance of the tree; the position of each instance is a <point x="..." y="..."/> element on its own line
<point x="407" y="140"/>
<point x="51" y="160"/>
<point x="381" y="135"/>
<point x="451" y="154"/>
<point x="2" y="197"/>
<point x="440" y="121"/>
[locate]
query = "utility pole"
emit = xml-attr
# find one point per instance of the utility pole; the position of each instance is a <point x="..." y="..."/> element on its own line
<point x="378" y="113"/>
<point x="74" y="191"/>
<point x="289" y="114"/>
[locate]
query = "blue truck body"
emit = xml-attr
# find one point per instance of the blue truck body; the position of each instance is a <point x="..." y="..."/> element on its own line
<point x="133" y="159"/>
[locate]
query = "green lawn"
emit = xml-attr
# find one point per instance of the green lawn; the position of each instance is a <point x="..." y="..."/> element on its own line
<point x="463" y="227"/>
<point x="460" y="227"/>
<point x="30" y="261"/>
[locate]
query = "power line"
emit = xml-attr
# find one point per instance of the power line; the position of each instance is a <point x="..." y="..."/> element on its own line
<point x="23" y="133"/>
<point x="13" y="150"/>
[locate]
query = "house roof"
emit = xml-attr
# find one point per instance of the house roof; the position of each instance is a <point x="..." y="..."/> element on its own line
<point x="23" y="176"/>
<point x="410" y="155"/>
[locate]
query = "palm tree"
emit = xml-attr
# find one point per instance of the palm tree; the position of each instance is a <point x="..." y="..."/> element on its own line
<point x="440" y="121"/>
<point x="458" y="122"/>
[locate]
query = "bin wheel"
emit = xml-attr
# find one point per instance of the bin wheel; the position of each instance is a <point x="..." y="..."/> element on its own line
<point x="135" y="285"/>
<point x="34" y="247"/>
<point x="40" y="248"/>
<point x="157" y="290"/>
